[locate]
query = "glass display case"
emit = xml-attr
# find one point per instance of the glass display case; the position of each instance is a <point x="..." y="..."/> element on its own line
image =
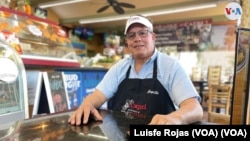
<point x="13" y="90"/>
<point x="38" y="41"/>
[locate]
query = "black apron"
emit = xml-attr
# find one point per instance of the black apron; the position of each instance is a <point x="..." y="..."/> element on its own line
<point x="142" y="96"/>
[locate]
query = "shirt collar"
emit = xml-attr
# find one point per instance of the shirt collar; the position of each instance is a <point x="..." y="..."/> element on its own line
<point x="153" y="57"/>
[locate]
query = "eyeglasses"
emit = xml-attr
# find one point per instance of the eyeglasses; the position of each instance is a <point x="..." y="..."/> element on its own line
<point x="141" y="33"/>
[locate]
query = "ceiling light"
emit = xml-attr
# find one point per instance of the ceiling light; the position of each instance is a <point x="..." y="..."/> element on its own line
<point x="57" y="3"/>
<point x="180" y="9"/>
<point x="150" y="13"/>
<point x="102" y="19"/>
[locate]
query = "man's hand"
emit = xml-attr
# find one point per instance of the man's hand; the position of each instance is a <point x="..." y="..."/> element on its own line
<point x="82" y="115"/>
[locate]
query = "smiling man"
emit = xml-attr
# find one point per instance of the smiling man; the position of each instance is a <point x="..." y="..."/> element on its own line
<point x="146" y="83"/>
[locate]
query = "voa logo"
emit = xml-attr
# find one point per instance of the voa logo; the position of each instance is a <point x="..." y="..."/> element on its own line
<point x="233" y="11"/>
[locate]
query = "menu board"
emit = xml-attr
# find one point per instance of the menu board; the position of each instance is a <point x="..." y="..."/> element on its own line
<point x="186" y="36"/>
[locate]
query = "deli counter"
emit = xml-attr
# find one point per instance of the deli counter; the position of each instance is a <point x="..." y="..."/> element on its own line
<point x="38" y="41"/>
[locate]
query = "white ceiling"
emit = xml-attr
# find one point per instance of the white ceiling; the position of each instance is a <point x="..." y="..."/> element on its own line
<point x="70" y="14"/>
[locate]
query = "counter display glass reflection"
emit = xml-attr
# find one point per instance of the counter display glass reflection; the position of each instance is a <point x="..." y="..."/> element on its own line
<point x="55" y="127"/>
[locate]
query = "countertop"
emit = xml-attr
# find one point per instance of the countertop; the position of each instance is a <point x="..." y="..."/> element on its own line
<point x="54" y="127"/>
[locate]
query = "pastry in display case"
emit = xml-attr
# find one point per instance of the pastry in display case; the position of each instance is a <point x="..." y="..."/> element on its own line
<point x="13" y="90"/>
<point x="38" y="41"/>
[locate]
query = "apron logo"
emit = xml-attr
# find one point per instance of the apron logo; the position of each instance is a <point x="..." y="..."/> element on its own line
<point x="125" y="107"/>
<point x="152" y="92"/>
<point x="130" y="106"/>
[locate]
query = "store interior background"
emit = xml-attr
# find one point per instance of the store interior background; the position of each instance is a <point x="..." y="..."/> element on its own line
<point x="218" y="50"/>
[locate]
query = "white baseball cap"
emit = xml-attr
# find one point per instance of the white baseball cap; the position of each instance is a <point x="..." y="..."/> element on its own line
<point x="138" y="19"/>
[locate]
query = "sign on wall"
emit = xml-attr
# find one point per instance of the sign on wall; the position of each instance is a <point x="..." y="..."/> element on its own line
<point x="186" y="36"/>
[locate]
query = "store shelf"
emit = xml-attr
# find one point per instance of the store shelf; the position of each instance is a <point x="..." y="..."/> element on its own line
<point x="23" y="14"/>
<point x="47" y="61"/>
